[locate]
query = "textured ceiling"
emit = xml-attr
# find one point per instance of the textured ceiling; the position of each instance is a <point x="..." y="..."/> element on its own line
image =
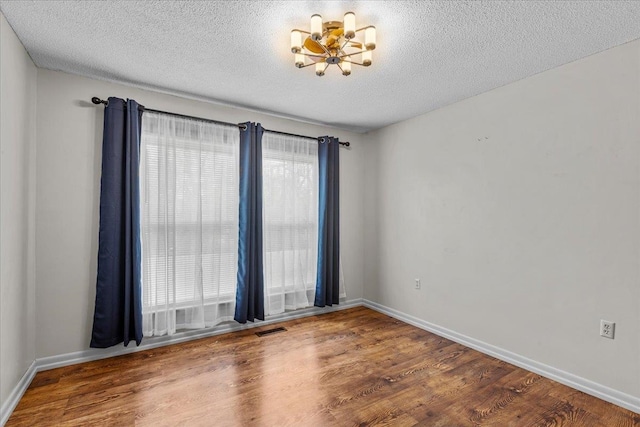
<point x="429" y="54"/>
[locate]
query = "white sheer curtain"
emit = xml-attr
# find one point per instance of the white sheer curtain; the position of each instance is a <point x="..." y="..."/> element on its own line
<point x="189" y="198"/>
<point x="290" y="215"/>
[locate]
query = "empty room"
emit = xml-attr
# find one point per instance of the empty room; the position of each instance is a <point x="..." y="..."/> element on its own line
<point x="320" y="213"/>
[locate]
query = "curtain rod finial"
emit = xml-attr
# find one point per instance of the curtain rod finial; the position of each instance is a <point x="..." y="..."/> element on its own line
<point x="97" y="101"/>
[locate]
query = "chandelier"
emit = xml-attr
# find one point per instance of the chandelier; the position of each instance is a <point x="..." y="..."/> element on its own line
<point x="333" y="43"/>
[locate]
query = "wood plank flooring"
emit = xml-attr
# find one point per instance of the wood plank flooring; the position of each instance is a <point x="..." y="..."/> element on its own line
<point x="354" y="367"/>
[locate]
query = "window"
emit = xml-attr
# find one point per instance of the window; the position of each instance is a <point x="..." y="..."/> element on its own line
<point x="189" y="222"/>
<point x="290" y="215"/>
<point x="189" y="210"/>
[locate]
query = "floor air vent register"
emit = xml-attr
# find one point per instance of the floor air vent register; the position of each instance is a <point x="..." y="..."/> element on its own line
<point x="270" y="331"/>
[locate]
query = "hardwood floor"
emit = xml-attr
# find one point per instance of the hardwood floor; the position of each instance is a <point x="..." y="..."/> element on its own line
<point x="354" y="367"/>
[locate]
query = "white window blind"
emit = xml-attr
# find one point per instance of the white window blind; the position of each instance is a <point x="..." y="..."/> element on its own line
<point x="189" y="209"/>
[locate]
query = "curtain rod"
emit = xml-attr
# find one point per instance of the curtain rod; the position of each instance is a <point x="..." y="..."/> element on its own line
<point x="98" y="101"/>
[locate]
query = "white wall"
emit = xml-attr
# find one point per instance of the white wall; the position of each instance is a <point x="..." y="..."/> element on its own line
<point x="68" y="184"/>
<point x="519" y="209"/>
<point x="17" y="220"/>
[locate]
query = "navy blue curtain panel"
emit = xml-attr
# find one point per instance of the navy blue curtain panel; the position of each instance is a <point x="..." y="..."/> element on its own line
<point x="250" y="289"/>
<point x="118" y="311"/>
<point x="328" y="276"/>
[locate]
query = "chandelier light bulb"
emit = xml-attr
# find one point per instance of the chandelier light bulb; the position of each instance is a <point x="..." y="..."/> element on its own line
<point x="299" y="60"/>
<point x="366" y="58"/>
<point x="296" y="41"/>
<point x="320" y="66"/>
<point x="370" y="38"/>
<point x="349" y="24"/>
<point x="316" y="27"/>
<point x="346" y="67"/>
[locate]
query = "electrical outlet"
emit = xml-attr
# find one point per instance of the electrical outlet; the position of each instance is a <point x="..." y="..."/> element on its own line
<point x="607" y="329"/>
<point x="417" y="283"/>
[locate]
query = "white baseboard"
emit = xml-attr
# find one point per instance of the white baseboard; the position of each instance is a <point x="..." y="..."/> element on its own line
<point x="16" y="394"/>
<point x="600" y="391"/>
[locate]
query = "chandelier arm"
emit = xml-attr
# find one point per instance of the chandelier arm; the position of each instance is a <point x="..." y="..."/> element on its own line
<point x="307" y="65"/>
<point x="362" y="29"/>
<point x="313" y="55"/>
<point x="351" y="54"/>
<point x="325" y="49"/>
